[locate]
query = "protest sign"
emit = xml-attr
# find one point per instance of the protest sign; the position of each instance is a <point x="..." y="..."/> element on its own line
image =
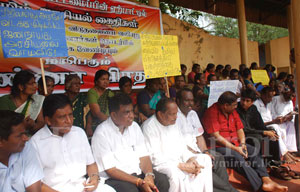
<point x="32" y="33"/>
<point x="160" y="56"/>
<point x="260" y="76"/>
<point x="100" y="35"/>
<point x="219" y="87"/>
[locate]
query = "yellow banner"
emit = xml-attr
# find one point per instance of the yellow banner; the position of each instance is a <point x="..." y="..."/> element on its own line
<point x="260" y="76"/>
<point x="160" y="55"/>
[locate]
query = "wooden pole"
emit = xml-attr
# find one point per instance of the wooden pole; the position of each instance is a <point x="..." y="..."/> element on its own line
<point x="240" y="4"/>
<point x="296" y="19"/>
<point x="291" y="33"/>
<point x="153" y="3"/>
<point x="43" y="77"/>
<point x="168" y="91"/>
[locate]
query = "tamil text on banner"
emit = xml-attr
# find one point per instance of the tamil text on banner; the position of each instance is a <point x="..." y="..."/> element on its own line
<point x="260" y="76"/>
<point x="160" y="56"/>
<point x="219" y="87"/>
<point x="100" y="35"/>
<point x="32" y="33"/>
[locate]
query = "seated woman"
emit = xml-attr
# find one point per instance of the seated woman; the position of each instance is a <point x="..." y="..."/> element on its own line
<point x="98" y="98"/>
<point x="22" y="99"/>
<point x="149" y="97"/>
<point x="125" y="85"/>
<point x="79" y="102"/>
<point x="248" y="83"/>
<point x="49" y="84"/>
<point x="200" y="92"/>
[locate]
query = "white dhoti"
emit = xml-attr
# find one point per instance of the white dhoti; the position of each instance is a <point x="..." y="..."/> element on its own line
<point x="183" y="182"/>
<point x="282" y="145"/>
<point x="288" y="134"/>
<point x="77" y="186"/>
<point x="287" y="137"/>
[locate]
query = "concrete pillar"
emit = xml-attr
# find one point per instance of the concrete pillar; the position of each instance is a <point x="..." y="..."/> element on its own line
<point x="153" y="3"/>
<point x="240" y="5"/>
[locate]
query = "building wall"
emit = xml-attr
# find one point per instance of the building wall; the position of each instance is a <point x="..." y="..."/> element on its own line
<point x="278" y="51"/>
<point x="197" y="46"/>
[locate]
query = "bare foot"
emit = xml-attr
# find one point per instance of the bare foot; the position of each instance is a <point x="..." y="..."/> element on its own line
<point x="293" y="157"/>
<point x="269" y="185"/>
<point x="288" y="159"/>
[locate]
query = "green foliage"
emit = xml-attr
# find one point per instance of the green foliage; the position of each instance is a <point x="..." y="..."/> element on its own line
<point x="222" y="26"/>
<point x="228" y="27"/>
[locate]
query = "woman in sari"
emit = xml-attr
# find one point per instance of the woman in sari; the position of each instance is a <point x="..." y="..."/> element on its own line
<point x="79" y="102"/>
<point x="98" y="97"/>
<point x="149" y="97"/>
<point x="23" y="99"/>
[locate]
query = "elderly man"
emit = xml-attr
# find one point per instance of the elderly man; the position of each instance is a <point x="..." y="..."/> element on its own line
<point x="119" y="149"/>
<point x="282" y="108"/>
<point x="223" y="123"/>
<point x="64" y="151"/>
<point x="192" y="130"/>
<point x="19" y="166"/>
<point x="264" y="107"/>
<point x="187" y="172"/>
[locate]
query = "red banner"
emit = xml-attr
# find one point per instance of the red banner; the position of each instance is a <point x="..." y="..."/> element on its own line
<point x="100" y="35"/>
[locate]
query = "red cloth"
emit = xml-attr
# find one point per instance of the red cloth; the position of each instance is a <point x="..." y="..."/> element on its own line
<point x="191" y="77"/>
<point x="214" y="120"/>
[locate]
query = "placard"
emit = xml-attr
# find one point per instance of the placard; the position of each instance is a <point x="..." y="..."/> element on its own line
<point x="32" y="33"/>
<point x="160" y="56"/>
<point x="260" y="76"/>
<point x="219" y="87"/>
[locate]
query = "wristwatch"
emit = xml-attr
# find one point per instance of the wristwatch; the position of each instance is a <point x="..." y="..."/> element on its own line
<point x="151" y="174"/>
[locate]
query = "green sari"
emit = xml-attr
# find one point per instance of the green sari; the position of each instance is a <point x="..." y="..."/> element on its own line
<point x="80" y="110"/>
<point x="102" y="101"/>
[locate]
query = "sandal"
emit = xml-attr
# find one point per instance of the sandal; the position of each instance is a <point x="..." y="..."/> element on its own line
<point x="280" y="173"/>
<point x="292" y="173"/>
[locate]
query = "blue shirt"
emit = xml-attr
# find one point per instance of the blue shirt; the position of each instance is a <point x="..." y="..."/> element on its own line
<point x="23" y="170"/>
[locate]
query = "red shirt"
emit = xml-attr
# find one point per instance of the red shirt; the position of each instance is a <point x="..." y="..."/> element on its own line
<point x="214" y="120"/>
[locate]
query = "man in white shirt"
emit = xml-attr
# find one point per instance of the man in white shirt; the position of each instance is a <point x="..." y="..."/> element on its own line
<point x="282" y="108"/>
<point x="64" y="151"/>
<point x="187" y="172"/>
<point x="119" y="149"/>
<point x="192" y="130"/>
<point x="19" y="166"/>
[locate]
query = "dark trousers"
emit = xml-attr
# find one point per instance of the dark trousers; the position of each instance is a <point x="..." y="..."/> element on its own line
<point x="253" y="168"/>
<point x="219" y="173"/>
<point x="270" y="149"/>
<point x="161" y="181"/>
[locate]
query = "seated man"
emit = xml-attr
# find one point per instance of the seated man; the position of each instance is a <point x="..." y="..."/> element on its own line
<point x="179" y="82"/>
<point x="254" y="127"/>
<point x="64" y="150"/>
<point x="19" y="166"/>
<point x="263" y="106"/>
<point x="192" y="130"/>
<point x="282" y="108"/>
<point x="119" y="149"/>
<point x="187" y="172"/>
<point x="223" y="123"/>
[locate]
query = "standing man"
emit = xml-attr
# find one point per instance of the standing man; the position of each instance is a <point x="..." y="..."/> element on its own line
<point x="192" y="130"/>
<point x="64" y="151"/>
<point x="223" y="124"/>
<point x="19" y="167"/>
<point x="187" y="172"/>
<point x="119" y="149"/>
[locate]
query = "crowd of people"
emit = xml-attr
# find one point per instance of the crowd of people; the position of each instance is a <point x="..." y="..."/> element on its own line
<point x="162" y="138"/>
